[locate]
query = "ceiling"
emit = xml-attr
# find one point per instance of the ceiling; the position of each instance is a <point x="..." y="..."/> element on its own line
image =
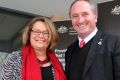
<point x="57" y="9"/>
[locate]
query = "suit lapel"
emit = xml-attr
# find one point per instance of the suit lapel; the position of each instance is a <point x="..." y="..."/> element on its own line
<point x="91" y="53"/>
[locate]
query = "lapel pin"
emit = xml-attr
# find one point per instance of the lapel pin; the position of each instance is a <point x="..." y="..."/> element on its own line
<point x="100" y="42"/>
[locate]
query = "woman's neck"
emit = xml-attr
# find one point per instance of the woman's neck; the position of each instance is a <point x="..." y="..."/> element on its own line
<point x="41" y="55"/>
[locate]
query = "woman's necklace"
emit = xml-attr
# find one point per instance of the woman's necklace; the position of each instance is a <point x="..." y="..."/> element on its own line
<point x="44" y="61"/>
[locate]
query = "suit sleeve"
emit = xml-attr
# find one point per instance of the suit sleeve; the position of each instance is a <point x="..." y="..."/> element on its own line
<point x="116" y="60"/>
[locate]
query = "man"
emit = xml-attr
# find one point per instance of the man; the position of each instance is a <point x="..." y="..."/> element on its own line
<point x="99" y="56"/>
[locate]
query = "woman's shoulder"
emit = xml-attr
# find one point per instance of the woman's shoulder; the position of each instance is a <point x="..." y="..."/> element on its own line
<point x="13" y="56"/>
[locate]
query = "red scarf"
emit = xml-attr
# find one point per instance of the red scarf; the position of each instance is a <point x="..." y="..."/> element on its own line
<point x="31" y="67"/>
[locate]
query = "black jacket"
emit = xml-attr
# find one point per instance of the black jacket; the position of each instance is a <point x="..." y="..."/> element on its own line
<point x="103" y="60"/>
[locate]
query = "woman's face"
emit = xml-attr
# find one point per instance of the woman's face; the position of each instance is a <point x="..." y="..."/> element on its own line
<point x="39" y="36"/>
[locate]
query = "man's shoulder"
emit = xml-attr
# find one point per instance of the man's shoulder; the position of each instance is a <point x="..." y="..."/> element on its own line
<point x="111" y="36"/>
<point x="108" y="35"/>
<point x="111" y="40"/>
<point x="72" y="45"/>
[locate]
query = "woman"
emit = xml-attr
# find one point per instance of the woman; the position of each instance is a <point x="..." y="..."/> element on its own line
<point x="37" y="61"/>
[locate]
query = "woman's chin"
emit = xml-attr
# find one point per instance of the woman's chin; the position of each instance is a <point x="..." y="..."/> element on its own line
<point x="40" y="47"/>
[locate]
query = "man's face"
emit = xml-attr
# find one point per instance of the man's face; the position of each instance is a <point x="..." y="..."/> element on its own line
<point x="83" y="18"/>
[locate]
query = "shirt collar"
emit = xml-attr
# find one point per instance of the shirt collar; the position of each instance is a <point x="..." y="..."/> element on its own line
<point x="89" y="37"/>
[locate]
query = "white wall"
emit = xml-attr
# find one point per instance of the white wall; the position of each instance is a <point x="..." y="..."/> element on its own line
<point x="43" y="7"/>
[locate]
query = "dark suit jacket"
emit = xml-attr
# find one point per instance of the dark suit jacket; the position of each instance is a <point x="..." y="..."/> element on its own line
<point x="103" y="60"/>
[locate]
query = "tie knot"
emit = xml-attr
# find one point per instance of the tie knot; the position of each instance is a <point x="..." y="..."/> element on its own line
<point x="82" y="43"/>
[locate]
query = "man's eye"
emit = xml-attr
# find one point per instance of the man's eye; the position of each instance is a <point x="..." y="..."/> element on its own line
<point x="74" y="16"/>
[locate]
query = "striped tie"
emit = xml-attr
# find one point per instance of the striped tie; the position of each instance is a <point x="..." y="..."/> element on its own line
<point x="82" y="43"/>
